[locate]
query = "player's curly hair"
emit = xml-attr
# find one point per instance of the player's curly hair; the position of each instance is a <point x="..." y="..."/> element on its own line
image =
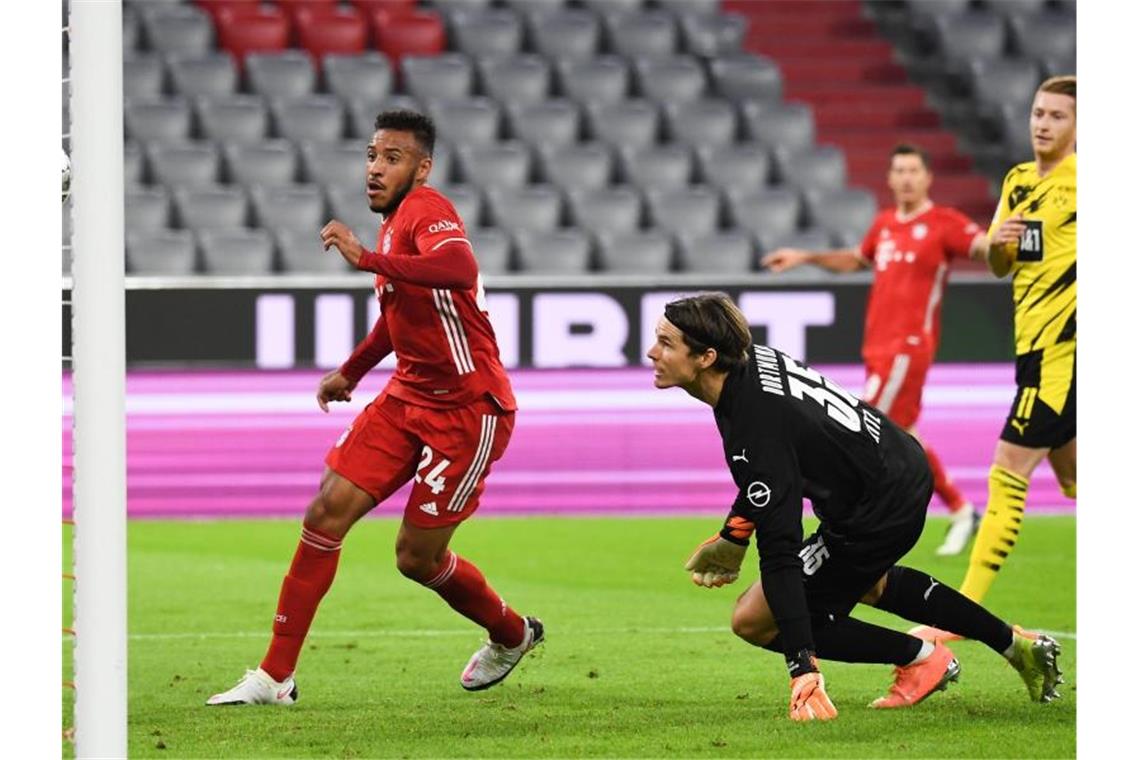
<point x="420" y="125"/>
<point x="712" y="320"/>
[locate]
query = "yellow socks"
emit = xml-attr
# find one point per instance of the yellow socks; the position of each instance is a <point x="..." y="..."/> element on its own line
<point x="998" y="533"/>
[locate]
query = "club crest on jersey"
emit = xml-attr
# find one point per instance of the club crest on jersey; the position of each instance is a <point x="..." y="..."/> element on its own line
<point x="387" y="244"/>
<point x="919" y="231"/>
<point x="759" y="494"/>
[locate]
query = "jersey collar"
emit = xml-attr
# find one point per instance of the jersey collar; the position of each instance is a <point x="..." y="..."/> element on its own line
<point x="904" y="218"/>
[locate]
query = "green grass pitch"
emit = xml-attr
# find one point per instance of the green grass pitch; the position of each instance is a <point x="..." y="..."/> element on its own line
<point x="638" y="662"/>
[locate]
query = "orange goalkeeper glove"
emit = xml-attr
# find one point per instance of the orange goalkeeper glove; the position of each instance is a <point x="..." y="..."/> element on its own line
<point x="716" y="562"/>
<point x="809" y="699"/>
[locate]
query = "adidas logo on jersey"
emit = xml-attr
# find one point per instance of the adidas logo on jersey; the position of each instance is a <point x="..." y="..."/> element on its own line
<point x="444" y="226"/>
<point x="430" y="508"/>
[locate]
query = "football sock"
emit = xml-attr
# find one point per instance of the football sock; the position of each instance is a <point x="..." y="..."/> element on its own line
<point x="917" y="597"/>
<point x="998" y="532"/>
<point x="463" y="587"/>
<point x="846" y="639"/>
<point x="1069" y="490"/>
<point x="943" y="486"/>
<point x="308" y="579"/>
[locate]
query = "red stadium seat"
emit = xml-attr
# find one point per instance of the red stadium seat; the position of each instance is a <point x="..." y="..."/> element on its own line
<point x="400" y="32"/>
<point x="312" y="7"/>
<point x="367" y="7"/>
<point x="243" y="29"/>
<point x="320" y="33"/>
<point x="216" y="7"/>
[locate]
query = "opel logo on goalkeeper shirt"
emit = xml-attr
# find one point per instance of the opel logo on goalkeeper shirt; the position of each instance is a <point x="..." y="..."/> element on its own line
<point x="759" y="493"/>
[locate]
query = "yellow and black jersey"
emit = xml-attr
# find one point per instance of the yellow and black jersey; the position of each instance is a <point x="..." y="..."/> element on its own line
<point x="1045" y="270"/>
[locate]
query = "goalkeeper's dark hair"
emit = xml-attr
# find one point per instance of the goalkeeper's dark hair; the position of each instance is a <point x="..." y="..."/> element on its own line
<point x="421" y="126"/>
<point x="712" y="320"/>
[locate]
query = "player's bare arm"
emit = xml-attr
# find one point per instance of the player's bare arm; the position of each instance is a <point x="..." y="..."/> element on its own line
<point x="334" y="387"/>
<point x="1003" y="245"/>
<point x="841" y="260"/>
<point x="336" y="234"/>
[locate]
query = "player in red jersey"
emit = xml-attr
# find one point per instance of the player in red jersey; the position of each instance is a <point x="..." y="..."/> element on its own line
<point x="444" y="417"/>
<point x="910" y="247"/>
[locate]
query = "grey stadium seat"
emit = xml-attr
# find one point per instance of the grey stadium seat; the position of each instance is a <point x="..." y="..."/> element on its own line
<point x="351" y="207"/>
<point x="158" y="119"/>
<point x="362" y="112"/>
<point x="1055" y="67"/>
<point x="449" y="76"/>
<point x="611" y="209"/>
<point x="552" y="122"/>
<point x="211" y="208"/>
<point x="492" y="249"/>
<point x="586" y="165"/>
<point x="166" y="252"/>
<point x="648" y="252"/>
<point x="659" y="167"/>
<point x="1045" y="35"/>
<point x="319" y="118"/>
<point x="553" y="252"/>
<point x="702" y="122"/>
<point x="361" y="75"/>
<point x="536" y="208"/>
<point x="691" y="210"/>
<point x="468" y="202"/>
<point x="605" y="79"/>
<point x="710" y="36"/>
<point x="1004" y="80"/>
<point x="844" y="214"/>
<point x="442" y="161"/>
<point x="823" y="168"/>
<point x="493" y="31"/>
<point x="240" y="118"/>
<point x="1016" y="8"/>
<point x="970" y="35"/>
<point x="296" y="207"/>
<point x="133" y="164"/>
<point x="734" y="167"/>
<point x="131" y="26"/>
<point x="566" y="33"/>
<point x="211" y="75"/>
<point x="504" y="164"/>
<point x="301" y="251"/>
<point x="717" y="253"/>
<point x="336" y="165"/>
<point x="147" y="209"/>
<point x="744" y="76"/>
<point x="789" y="126"/>
<point x="767" y="213"/>
<point x="811" y="239"/>
<point x="677" y="79"/>
<point x="143" y="76"/>
<point x="288" y="74"/>
<point x="938" y="7"/>
<point x="517" y="78"/>
<point x="473" y="121"/>
<point x="613" y="6"/>
<point x="186" y="165"/>
<point x="272" y="162"/>
<point x="695" y="7"/>
<point x="178" y="29"/>
<point x="230" y="252"/>
<point x="651" y="33"/>
<point x="632" y="123"/>
<point x="1014" y="118"/>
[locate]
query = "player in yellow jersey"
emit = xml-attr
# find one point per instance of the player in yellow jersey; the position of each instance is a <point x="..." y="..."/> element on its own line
<point x="1034" y="236"/>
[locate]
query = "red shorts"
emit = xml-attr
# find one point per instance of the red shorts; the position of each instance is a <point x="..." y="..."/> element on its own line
<point x="448" y="452"/>
<point x="894" y="385"/>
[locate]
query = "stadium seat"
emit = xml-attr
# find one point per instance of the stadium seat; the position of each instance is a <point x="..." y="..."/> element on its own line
<point x="236" y="252"/>
<point x="177" y="29"/>
<point x="442" y="161"/>
<point x="1014" y="125"/>
<point x="472" y="121"/>
<point x="938" y="7"/>
<point x="1004" y="80"/>
<point x="147" y="209"/>
<point x="691" y="7"/>
<point x="408" y="33"/>
<point x="585" y="165"/>
<point x="143" y="76"/>
<point x="566" y="33"/>
<point x="811" y="239"/>
<point x="614" y="6"/>
<point x="709" y="121"/>
<point x="604" y="79"/>
<point x="341" y="31"/>
<point x="362" y="112"/>
<point x="132" y="35"/>
<point x="158" y="119"/>
<point x="194" y="164"/>
<point x="238" y="118"/>
<point x="611" y="209"/>
<point x="252" y="28"/>
<point x="517" y="78"/>
<point x="211" y="208"/>
<point x="161" y="252"/>
<point x="367" y="76"/>
<point x="133" y="164"/>
<point x="531" y="207"/>
<point x="632" y="122"/>
<point x="844" y="214"/>
<point x="693" y="210"/>
<point x="211" y="75"/>
<point x="721" y="253"/>
<point x="767" y="213"/>
<point x="288" y="74"/>
<point x="742" y="167"/>
<point x="1052" y="66"/>
<point x="468" y="202"/>
<point x="489" y="31"/>
<point x="822" y="168"/>
<point x="301" y="252"/>
<point x="556" y="121"/>
<point x="1045" y="35"/>
<point x="565" y="251"/>
<point x="334" y="164"/>
<point x="319" y="118"/>
<point x="713" y="35"/>
<point x="658" y="167"/>
<point x="971" y="35"/>
<point x="1014" y="9"/>
<point x="295" y="207"/>
<point x="745" y="76"/>
<point x="670" y="80"/>
<point x="645" y="34"/>
<point x="450" y="76"/>
<point x="269" y="162"/>
<point x="492" y="249"/>
<point x="304" y="10"/>
<point x="351" y="207"/>
<point x="642" y="253"/>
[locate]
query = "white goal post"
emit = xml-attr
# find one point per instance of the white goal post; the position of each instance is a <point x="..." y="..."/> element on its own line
<point x="99" y="379"/>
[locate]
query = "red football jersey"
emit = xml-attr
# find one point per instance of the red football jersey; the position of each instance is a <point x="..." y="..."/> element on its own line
<point x="446" y="354"/>
<point x="911" y="258"/>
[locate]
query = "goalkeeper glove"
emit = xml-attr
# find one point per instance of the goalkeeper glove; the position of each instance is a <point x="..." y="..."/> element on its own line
<point x="809" y="698"/>
<point x="716" y="562"/>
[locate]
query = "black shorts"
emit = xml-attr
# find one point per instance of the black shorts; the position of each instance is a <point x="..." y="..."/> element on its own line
<point x="1044" y="411"/>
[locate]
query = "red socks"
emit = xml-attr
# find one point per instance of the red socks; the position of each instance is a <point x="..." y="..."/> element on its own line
<point x="943" y="486"/>
<point x="309" y="577"/>
<point x="463" y="587"/>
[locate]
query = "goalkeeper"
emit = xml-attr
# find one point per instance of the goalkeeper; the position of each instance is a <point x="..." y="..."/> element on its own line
<point x="790" y="433"/>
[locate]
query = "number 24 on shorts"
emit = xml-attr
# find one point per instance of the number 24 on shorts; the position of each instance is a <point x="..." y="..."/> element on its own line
<point x="434" y="478"/>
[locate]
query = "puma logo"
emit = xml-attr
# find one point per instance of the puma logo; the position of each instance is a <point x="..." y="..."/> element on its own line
<point x="1020" y="426"/>
<point x="741" y="456"/>
<point x="926" y="596"/>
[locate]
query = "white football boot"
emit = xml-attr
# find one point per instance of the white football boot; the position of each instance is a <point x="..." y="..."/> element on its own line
<point x="963" y="525"/>
<point x="494" y="662"/>
<point x="258" y="688"/>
